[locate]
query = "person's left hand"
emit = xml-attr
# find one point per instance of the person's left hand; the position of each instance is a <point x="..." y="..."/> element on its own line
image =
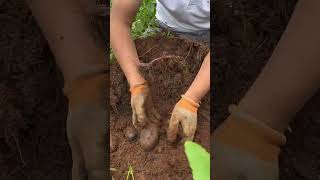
<point x="184" y="112"/>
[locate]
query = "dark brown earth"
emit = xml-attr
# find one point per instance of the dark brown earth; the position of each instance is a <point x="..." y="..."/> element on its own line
<point x="246" y="32"/>
<point x="169" y="78"/>
<point x="33" y="110"/>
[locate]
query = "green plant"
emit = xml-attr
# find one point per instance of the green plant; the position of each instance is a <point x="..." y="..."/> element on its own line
<point x="169" y="34"/>
<point x="199" y="160"/>
<point x="144" y="23"/>
<point x="130" y="173"/>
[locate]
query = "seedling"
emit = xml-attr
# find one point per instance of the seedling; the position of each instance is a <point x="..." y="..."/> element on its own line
<point x="130" y="173"/>
<point x="169" y="34"/>
<point x="199" y="160"/>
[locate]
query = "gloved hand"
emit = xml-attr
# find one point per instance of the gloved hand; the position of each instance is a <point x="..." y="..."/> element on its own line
<point x="87" y="126"/>
<point x="143" y="110"/>
<point x="245" y="149"/>
<point x="184" y="112"/>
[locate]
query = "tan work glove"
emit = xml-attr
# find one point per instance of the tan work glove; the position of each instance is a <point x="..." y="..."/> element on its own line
<point x="87" y="126"/>
<point x="184" y="112"/>
<point x="245" y="149"/>
<point x="143" y="110"/>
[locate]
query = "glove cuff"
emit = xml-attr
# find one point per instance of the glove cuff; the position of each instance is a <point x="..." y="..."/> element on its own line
<point x="93" y="73"/>
<point x="138" y="88"/>
<point x="244" y="132"/>
<point x="188" y="104"/>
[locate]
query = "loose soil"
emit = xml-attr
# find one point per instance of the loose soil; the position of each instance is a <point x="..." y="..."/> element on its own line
<point x="33" y="110"/>
<point x="169" y="78"/>
<point x="246" y="32"/>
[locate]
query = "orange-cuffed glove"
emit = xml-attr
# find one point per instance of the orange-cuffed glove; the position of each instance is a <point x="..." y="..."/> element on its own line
<point x="87" y="125"/>
<point x="244" y="148"/>
<point x="143" y="110"/>
<point x="184" y="112"/>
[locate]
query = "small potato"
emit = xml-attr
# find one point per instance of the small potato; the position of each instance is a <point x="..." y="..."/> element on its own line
<point x="113" y="143"/>
<point x="131" y="134"/>
<point x="149" y="137"/>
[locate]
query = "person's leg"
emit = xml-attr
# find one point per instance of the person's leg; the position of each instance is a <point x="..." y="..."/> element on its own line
<point x="199" y="36"/>
<point x="292" y="74"/>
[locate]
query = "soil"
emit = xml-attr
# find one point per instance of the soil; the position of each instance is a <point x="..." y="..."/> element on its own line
<point x="169" y="78"/>
<point x="33" y="109"/>
<point x="245" y="34"/>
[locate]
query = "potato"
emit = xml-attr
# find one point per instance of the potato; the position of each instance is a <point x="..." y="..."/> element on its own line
<point x="131" y="134"/>
<point x="149" y="137"/>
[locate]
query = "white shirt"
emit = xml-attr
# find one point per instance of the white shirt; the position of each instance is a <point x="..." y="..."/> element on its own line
<point x="184" y="15"/>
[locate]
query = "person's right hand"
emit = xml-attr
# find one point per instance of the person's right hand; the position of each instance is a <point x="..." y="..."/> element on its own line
<point x="245" y="149"/>
<point x="143" y="110"/>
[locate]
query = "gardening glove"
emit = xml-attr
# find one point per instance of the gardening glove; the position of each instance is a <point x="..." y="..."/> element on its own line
<point x="184" y="112"/>
<point x="245" y="149"/>
<point x="143" y="110"/>
<point x="87" y="126"/>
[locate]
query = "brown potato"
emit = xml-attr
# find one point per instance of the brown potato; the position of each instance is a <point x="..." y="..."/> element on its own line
<point x="149" y="137"/>
<point x="131" y="134"/>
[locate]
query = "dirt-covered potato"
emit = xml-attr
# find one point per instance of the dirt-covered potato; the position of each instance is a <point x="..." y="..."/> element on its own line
<point x="149" y="137"/>
<point x="113" y="143"/>
<point x="131" y="134"/>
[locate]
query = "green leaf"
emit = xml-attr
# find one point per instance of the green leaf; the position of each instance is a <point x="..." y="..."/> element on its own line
<point x="199" y="160"/>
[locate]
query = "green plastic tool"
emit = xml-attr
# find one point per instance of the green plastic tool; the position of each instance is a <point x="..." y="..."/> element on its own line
<point x="199" y="160"/>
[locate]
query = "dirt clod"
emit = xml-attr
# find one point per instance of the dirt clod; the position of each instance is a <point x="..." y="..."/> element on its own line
<point x="131" y="134"/>
<point x="113" y="143"/>
<point x="149" y="137"/>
